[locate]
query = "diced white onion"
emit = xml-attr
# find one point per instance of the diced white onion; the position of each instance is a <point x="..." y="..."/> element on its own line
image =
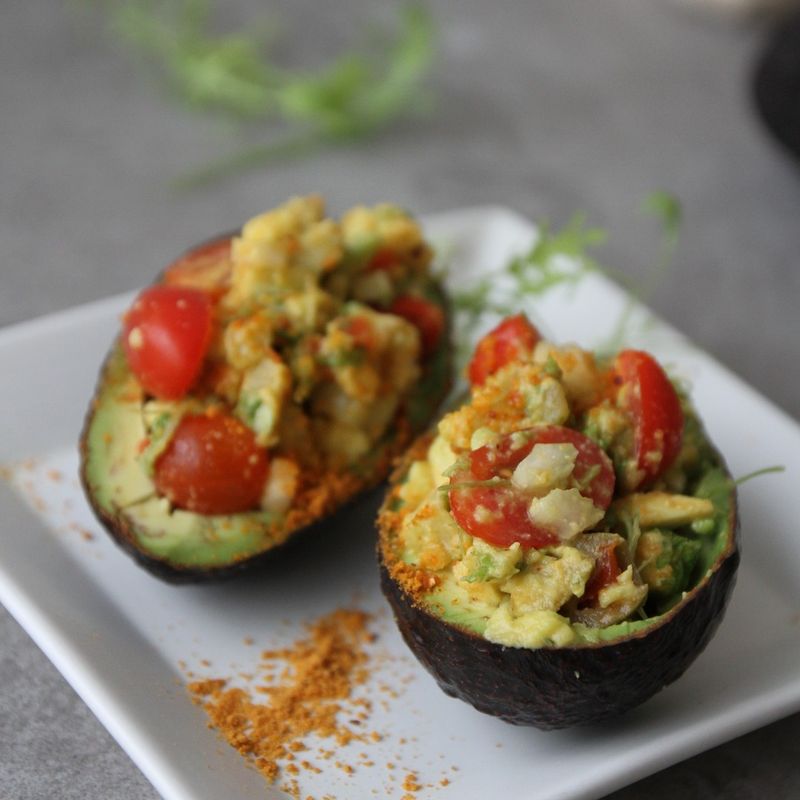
<point x="566" y="512"/>
<point x="546" y="467"/>
<point x="281" y="485"/>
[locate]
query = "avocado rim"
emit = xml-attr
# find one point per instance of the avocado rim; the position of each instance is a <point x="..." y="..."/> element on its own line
<point x="552" y="688"/>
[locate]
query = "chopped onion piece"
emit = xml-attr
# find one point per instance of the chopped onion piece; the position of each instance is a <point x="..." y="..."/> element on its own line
<point x="566" y="512"/>
<point x="281" y="485"/>
<point x="546" y="467"/>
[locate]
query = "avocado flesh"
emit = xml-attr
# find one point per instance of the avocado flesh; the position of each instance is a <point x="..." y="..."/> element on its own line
<point x="606" y="671"/>
<point x="182" y="546"/>
<point x="121" y="490"/>
<point x="452" y="603"/>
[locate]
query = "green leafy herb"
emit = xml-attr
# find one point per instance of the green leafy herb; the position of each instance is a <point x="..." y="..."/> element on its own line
<point x="631" y="531"/>
<point x="343" y="358"/>
<point x="483" y="572"/>
<point x="758" y="473"/>
<point x="667" y="210"/>
<point x="206" y="71"/>
<point x="356" y="96"/>
<point x="552" y="368"/>
<point x="563" y="257"/>
<point x="588" y="476"/>
<point x="557" y="257"/>
<point x="248" y="407"/>
<point x="396" y="503"/>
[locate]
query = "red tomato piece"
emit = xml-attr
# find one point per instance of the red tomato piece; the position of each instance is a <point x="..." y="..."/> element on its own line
<point x="513" y="338"/>
<point x="499" y="514"/>
<point x="166" y="334"/>
<point x="606" y="571"/>
<point x="207" y="267"/>
<point x="425" y="315"/>
<point x="360" y="328"/>
<point x="650" y="399"/>
<point x="383" y="259"/>
<point x="212" y="465"/>
<point x="593" y="473"/>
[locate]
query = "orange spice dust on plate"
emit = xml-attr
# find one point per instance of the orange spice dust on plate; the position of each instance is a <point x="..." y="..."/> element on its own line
<point x="307" y="687"/>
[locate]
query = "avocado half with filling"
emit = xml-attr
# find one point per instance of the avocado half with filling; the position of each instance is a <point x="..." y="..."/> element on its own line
<point x="571" y="614"/>
<point x="325" y="348"/>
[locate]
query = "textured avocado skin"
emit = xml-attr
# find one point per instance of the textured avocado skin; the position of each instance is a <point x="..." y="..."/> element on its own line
<point x="121" y="530"/>
<point x="552" y="688"/>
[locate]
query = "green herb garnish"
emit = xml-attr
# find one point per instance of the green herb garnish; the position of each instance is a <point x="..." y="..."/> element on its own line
<point x="483" y="572"/>
<point x="552" y="368"/>
<point x="356" y="96"/>
<point x="588" y="477"/>
<point x="666" y="208"/>
<point x="557" y="257"/>
<point x="758" y="473"/>
<point x="563" y="257"/>
<point x="343" y="358"/>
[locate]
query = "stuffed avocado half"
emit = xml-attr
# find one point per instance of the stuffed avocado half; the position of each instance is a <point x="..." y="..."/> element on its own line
<point x="262" y="382"/>
<point x="564" y="544"/>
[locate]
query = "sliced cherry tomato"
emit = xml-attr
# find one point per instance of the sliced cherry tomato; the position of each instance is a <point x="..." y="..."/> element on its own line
<point x="425" y="315"/>
<point x="166" y="334"/>
<point x="207" y="267"/>
<point x="606" y="571"/>
<point x="212" y="465"/>
<point x="499" y="514"/>
<point x="648" y="396"/>
<point x="593" y="473"/>
<point x="382" y="259"/>
<point x="511" y="339"/>
<point x="360" y="328"/>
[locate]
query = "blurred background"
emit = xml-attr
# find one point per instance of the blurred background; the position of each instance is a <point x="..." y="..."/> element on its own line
<point x="131" y="130"/>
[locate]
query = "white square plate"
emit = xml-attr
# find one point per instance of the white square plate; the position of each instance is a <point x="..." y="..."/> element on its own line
<point x="118" y="634"/>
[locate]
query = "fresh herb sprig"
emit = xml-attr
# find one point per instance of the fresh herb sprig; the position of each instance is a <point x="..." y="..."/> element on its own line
<point x="667" y="210"/>
<point x="557" y="257"/>
<point x="565" y="256"/>
<point x="359" y="94"/>
<point x="777" y="468"/>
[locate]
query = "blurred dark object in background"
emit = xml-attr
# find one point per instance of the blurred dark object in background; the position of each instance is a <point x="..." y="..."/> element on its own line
<point x="777" y="84"/>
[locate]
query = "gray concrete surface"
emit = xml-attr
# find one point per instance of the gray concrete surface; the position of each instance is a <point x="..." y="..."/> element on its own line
<point x="547" y="107"/>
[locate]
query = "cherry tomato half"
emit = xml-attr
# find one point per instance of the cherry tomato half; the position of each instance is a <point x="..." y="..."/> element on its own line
<point x="207" y="267"/>
<point x="166" y="334"/>
<point x="425" y="315"/>
<point x="360" y="328"/>
<point x="511" y="339"/>
<point x="650" y="399"/>
<point x="382" y="259"/>
<point x="499" y="514"/>
<point x="212" y="465"/>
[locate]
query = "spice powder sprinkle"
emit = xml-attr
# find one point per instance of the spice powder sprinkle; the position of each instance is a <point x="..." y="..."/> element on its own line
<point x="309" y="685"/>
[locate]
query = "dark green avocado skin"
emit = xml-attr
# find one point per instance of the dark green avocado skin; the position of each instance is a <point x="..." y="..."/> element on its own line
<point x="552" y="688"/>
